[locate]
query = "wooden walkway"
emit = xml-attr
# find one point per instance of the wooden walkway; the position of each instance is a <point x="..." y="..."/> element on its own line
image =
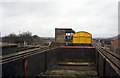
<point x="71" y="70"/>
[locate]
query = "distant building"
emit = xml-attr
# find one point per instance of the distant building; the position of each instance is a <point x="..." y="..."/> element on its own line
<point x="115" y="44"/>
<point x="2" y="44"/>
<point x="7" y="47"/>
<point x="63" y="35"/>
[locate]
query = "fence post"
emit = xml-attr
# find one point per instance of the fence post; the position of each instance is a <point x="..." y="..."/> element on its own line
<point x="25" y="59"/>
<point x="45" y="61"/>
<point x="104" y="67"/>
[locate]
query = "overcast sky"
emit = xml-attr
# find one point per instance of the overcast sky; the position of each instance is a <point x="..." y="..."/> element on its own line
<point x="99" y="17"/>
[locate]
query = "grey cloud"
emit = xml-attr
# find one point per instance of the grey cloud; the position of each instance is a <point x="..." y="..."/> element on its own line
<point x="97" y="16"/>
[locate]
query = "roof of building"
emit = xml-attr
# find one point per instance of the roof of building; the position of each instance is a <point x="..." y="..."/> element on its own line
<point x="7" y="44"/>
<point x="117" y="37"/>
<point x="67" y="30"/>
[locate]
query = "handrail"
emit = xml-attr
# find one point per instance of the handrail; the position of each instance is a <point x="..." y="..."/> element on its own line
<point x="111" y="58"/>
<point x="114" y="54"/>
<point x="22" y="54"/>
